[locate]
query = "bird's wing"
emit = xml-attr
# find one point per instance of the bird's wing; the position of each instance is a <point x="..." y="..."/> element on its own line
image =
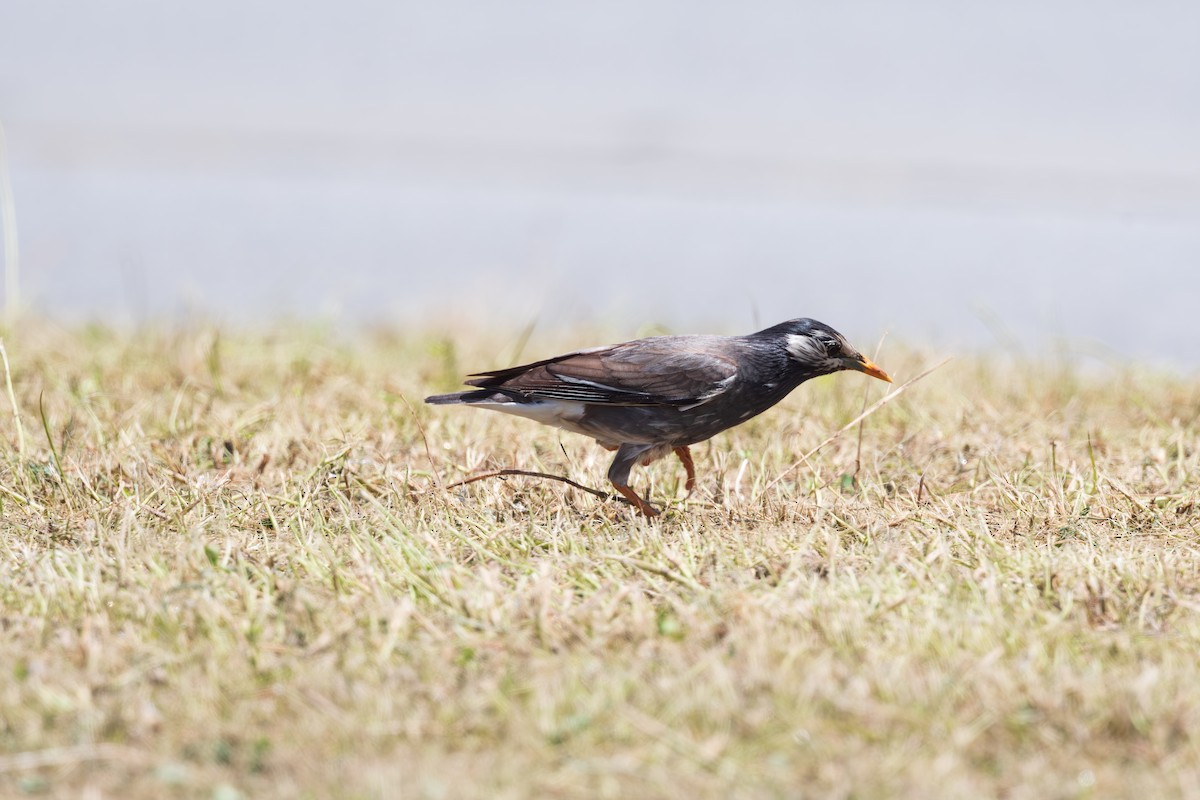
<point x="670" y="370"/>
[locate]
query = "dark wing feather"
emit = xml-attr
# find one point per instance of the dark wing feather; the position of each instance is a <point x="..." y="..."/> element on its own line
<point x="666" y="370"/>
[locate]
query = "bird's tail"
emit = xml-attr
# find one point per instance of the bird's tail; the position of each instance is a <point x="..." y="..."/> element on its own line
<point x="473" y="396"/>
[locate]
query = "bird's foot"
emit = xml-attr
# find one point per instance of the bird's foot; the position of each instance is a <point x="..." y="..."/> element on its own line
<point x="638" y="503"/>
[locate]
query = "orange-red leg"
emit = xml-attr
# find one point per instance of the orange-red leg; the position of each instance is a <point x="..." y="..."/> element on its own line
<point x="641" y="505"/>
<point x="685" y="456"/>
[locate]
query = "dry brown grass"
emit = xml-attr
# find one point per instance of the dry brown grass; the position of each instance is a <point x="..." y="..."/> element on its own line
<point x="231" y="569"/>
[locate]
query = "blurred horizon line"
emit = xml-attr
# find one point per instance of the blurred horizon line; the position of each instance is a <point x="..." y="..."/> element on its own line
<point x="616" y="167"/>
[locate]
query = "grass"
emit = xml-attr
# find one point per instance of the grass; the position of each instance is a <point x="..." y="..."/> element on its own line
<point x="229" y="567"/>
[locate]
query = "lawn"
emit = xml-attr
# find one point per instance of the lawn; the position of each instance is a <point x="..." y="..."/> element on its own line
<point x="232" y="564"/>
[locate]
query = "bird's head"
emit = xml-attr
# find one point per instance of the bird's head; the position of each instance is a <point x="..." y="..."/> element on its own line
<point x="820" y="350"/>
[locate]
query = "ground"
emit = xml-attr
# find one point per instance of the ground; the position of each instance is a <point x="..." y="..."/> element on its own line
<point x="232" y="564"/>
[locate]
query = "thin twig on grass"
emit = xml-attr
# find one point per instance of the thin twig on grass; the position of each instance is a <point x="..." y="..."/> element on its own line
<point x="500" y="473"/>
<point x="880" y="403"/>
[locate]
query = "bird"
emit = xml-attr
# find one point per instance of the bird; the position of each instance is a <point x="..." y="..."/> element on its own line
<point x="649" y="397"/>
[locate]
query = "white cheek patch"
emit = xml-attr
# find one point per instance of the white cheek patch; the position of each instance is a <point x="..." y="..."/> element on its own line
<point x="804" y="348"/>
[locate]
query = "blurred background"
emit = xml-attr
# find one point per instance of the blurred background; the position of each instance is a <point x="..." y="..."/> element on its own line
<point x="1023" y="175"/>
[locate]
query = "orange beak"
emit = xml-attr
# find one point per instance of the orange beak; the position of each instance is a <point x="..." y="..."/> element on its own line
<point x="864" y="364"/>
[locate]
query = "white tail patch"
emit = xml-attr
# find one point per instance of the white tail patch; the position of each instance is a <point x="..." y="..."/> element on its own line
<point x="557" y="413"/>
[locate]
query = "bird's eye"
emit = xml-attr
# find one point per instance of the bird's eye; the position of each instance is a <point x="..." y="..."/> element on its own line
<point x="829" y="344"/>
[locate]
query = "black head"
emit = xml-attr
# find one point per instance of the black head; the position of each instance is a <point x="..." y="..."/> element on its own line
<point x="819" y="349"/>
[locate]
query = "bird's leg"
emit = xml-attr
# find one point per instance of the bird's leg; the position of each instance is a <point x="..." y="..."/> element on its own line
<point x="685" y="456"/>
<point x="618" y="473"/>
